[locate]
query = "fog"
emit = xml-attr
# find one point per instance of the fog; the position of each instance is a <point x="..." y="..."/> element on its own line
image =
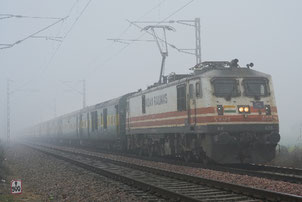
<point x="46" y="74"/>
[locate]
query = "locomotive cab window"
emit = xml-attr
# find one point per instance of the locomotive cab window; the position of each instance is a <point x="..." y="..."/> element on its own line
<point x="225" y="87"/>
<point x="256" y="87"/>
<point x="181" y="98"/>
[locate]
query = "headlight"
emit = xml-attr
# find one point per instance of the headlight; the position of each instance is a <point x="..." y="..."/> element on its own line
<point x="241" y="109"/>
<point x="246" y="109"/>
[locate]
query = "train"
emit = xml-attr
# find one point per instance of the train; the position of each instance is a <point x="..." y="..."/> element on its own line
<point x="220" y="112"/>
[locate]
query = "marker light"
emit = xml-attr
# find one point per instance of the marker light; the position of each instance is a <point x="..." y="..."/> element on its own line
<point x="220" y="109"/>
<point x="268" y="110"/>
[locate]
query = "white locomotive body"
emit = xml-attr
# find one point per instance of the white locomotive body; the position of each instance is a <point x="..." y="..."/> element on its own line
<point x="221" y="112"/>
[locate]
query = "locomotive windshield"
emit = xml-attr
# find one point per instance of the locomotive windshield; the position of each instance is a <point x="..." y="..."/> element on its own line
<point x="255" y="87"/>
<point x="225" y="87"/>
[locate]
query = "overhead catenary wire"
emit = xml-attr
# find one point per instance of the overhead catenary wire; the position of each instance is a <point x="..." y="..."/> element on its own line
<point x="33" y="34"/>
<point x="125" y="40"/>
<point x="141" y="35"/>
<point x="142" y="16"/>
<point x="54" y="38"/>
<point x="120" y="35"/>
<point x="162" y="40"/>
<point x="5" y="16"/>
<point x="44" y="67"/>
<point x="124" y="31"/>
<point x="81" y="13"/>
<point x="67" y="33"/>
<point x="70" y="87"/>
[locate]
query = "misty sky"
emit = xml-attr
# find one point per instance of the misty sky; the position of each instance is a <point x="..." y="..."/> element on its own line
<point x="47" y="74"/>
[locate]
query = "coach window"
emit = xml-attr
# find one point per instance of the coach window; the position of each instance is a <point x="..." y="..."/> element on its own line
<point x="105" y="117"/>
<point x="198" y="92"/>
<point x="191" y="91"/>
<point x="143" y="104"/>
<point x="181" y="98"/>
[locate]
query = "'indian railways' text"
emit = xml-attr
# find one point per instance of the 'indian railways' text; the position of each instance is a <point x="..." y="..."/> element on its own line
<point x="157" y="100"/>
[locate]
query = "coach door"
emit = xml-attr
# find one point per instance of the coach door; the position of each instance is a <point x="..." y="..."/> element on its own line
<point x="117" y="120"/>
<point x="80" y="124"/>
<point x="88" y="125"/>
<point x="194" y="86"/>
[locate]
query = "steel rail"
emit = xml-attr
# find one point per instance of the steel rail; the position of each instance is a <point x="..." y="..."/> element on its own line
<point x="269" y="168"/>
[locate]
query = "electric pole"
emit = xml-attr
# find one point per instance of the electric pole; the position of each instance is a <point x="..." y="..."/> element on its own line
<point x="81" y="92"/>
<point x="301" y="131"/>
<point x="8" y="111"/>
<point x="55" y="108"/>
<point x="9" y="92"/>
<point x="84" y="93"/>
<point x="196" y="24"/>
<point x="197" y="41"/>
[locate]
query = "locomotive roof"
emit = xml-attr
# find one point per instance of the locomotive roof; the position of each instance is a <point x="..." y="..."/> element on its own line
<point x="212" y="70"/>
<point x="226" y="69"/>
<point x="232" y="72"/>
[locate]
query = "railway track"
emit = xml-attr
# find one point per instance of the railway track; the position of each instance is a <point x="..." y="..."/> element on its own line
<point x="272" y="172"/>
<point x="293" y="175"/>
<point x="169" y="185"/>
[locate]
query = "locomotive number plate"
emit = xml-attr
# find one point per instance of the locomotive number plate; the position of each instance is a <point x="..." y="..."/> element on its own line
<point x="258" y="105"/>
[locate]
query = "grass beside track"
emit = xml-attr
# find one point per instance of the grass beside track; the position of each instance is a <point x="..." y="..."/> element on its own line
<point x="3" y="169"/>
<point x="5" y="197"/>
<point x="289" y="156"/>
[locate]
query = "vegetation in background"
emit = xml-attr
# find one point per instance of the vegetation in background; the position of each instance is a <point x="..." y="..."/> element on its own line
<point x="289" y="156"/>
<point x="2" y="167"/>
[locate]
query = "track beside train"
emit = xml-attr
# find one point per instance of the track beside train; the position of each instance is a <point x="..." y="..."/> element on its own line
<point x="168" y="184"/>
<point x="293" y="175"/>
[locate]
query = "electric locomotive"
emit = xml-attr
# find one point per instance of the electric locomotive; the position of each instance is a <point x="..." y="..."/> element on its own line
<point x="221" y="112"/>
